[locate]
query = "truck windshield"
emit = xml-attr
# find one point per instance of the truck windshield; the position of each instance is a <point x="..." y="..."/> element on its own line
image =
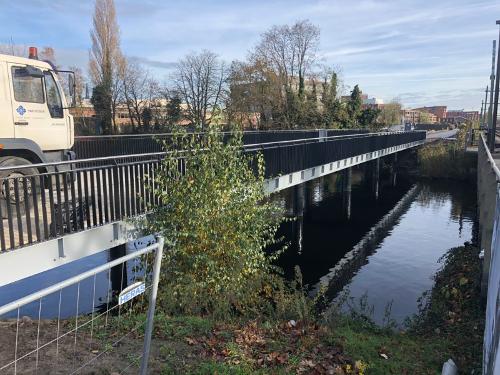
<point x="53" y="97"/>
<point x="27" y="89"/>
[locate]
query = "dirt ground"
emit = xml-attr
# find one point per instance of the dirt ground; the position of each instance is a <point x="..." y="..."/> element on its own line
<point x="80" y="352"/>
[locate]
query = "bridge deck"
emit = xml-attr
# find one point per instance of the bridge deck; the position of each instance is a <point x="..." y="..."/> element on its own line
<point x="100" y="198"/>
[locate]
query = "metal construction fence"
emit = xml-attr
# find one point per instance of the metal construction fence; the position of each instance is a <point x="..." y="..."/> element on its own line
<point x="41" y="206"/>
<point x="112" y="336"/>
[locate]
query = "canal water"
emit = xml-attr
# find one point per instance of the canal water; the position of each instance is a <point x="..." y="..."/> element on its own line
<point x="387" y="250"/>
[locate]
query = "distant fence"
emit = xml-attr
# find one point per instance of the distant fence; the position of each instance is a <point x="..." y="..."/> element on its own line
<point x="73" y="343"/>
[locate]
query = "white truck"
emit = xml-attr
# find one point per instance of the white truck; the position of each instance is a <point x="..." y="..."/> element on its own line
<point x="35" y="123"/>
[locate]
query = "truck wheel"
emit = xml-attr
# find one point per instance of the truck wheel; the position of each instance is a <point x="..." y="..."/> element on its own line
<point x="7" y="182"/>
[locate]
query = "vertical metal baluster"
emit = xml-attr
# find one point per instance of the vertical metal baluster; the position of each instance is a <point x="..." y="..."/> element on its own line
<point x="59" y="218"/>
<point x="127" y="190"/>
<point x="116" y="185"/>
<point x="142" y="187"/>
<point x="93" y="198"/>
<point x="99" y="195"/>
<point x="87" y="196"/>
<point x="66" y="203"/>
<point x="74" y="207"/>
<point x="35" y="207"/>
<point x="52" y="207"/>
<point x="111" y="183"/>
<point x="105" y="185"/>
<point x="38" y="333"/>
<point x="133" y="195"/>
<point x="149" y="187"/>
<point x="18" y="212"/>
<point x="27" y="208"/>
<point x="157" y="196"/>
<point x="82" y="210"/>
<point x="9" y="213"/>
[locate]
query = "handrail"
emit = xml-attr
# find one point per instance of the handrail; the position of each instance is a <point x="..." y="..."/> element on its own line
<point x="490" y="159"/>
<point x="162" y="153"/>
<point x="268" y="131"/>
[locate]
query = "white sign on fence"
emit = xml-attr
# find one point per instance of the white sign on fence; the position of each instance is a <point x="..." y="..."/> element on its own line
<point x="131" y="292"/>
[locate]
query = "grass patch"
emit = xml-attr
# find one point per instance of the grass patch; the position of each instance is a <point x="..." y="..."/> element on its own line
<point x="449" y="325"/>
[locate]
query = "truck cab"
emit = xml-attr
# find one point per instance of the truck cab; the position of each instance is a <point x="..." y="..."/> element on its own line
<point x="35" y="123"/>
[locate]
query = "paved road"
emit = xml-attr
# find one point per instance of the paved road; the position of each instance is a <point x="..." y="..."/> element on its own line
<point x="441" y="134"/>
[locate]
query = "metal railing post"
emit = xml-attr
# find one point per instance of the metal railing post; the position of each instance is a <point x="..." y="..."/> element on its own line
<point x="152" y="305"/>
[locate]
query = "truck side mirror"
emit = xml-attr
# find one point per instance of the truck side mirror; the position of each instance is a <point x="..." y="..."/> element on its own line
<point x="72" y="89"/>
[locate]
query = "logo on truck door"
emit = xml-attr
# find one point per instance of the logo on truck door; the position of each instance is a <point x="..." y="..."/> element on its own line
<point x="21" y="110"/>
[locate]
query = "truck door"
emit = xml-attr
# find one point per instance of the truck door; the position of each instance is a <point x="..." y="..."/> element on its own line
<point x="37" y="108"/>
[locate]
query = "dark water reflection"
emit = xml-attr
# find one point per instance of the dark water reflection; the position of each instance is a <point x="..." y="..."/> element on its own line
<point x="397" y="238"/>
<point x="387" y="248"/>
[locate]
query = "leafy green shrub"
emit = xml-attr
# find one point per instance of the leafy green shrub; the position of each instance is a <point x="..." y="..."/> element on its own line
<point x="215" y="216"/>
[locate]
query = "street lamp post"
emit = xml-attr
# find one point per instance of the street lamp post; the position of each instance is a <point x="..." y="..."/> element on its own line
<point x="495" y="103"/>
<point x="492" y="83"/>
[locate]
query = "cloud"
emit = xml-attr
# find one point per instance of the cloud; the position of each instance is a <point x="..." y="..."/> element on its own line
<point x="155" y="63"/>
<point x="389" y="47"/>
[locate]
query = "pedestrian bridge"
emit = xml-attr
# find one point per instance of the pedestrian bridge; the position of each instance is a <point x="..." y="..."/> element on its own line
<point x="60" y="215"/>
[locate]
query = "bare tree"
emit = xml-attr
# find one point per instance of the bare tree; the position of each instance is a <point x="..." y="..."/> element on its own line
<point x="305" y="41"/>
<point x="290" y="51"/>
<point x="139" y="91"/>
<point x="105" y="59"/>
<point x="200" y="80"/>
<point x="14" y="50"/>
<point x="48" y="54"/>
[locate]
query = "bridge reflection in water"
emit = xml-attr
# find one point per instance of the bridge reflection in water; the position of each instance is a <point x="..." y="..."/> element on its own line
<point x="388" y="247"/>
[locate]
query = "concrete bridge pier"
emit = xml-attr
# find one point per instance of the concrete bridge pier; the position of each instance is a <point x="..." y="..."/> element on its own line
<point x="346" y="192"/>
<point x="300" y="202"/>
<point x="375" y="176"/>
<point x="394" y="170"/>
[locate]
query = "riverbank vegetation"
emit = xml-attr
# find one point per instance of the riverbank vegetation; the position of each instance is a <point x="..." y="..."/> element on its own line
<point x="224" y="308"/>
<point x="447" y="159"/>
<point x="449" y="325"/>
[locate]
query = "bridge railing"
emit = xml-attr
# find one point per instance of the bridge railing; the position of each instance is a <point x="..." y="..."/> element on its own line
<point x="99" y="191"/>
<point x="109" y="145"/>
<point x="489" y="233"/>
<point x="284" y="158"/>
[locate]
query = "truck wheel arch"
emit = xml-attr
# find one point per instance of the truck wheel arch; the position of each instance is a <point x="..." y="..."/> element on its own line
<point x="22" y="148"/>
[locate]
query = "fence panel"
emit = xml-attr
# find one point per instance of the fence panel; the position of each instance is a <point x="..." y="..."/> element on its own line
<point x="90" y="323"/>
